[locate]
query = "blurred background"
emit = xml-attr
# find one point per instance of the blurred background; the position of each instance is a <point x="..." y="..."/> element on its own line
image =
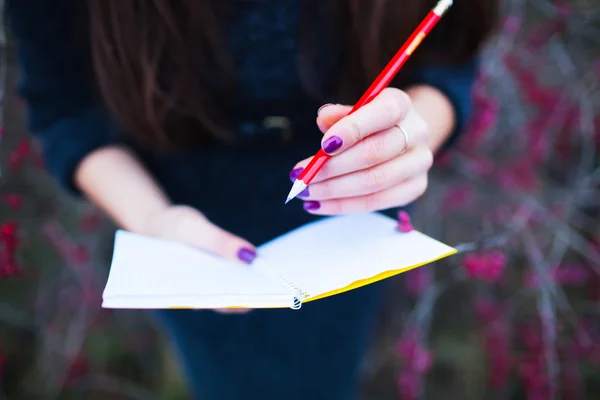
<point x="515" y="315"/>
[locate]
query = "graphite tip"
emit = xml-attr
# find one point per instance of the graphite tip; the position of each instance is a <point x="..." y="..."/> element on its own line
<point x="297" y="188"/>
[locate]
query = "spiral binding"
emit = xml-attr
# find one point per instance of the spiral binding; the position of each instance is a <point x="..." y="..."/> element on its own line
<point x="288" y="285"/>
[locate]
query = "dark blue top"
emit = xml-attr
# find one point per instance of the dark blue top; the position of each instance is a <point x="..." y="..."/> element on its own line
<point x="58" y="89"/>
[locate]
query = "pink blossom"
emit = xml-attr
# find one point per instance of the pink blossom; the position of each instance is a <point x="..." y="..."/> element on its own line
<point x="406" y="346"/>
<point x="533" y="375"/>
<point x="416" y="361"/>
<point x="24" y="148"/>
<point x="540" y="97"/>
<point x="458" y="197"/>
<point x="569" y="275"/>
<point x="481" y="166"/>
<point x="487" y="266"/>
<point x="90" y="221"/>
<point x="418" y="280"/>
<point x="499" y="373"/>
<point x="485" y="118"/>
<point x="487" y="310"/>
<point x="564" y="9"/>
<point x="511" y="24"/>
<point x="15" y="161"/>
<point x="78" y="254"/>
<point x="594" y="354"/>
<point x="444" y="159"/>
<point x="512" y="62"/>
<point x="538" y="139"/>
<point x="409" y="385"/>
<point x="531" y="338"/>
<point x="593" y="288"/>
<point x="572" y="275"/>
<point x="9" y="242"/>
<point x="13" y="200"/>
<point x="571" y="382"/>
<point x="414" y="355"/>
<point x="518" y="176"/>
<point x="541" y="34"/>
<point x="77" y="370"/>
<point x="2" y="364"/>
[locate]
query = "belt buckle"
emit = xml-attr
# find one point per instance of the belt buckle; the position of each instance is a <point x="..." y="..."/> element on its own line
<point x="281" y="123"/>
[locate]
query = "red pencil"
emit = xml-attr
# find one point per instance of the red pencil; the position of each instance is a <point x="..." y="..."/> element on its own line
<point x="382" y="81"/>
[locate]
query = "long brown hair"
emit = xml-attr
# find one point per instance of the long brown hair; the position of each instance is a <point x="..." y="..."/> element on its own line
<point x="155" y="60"/>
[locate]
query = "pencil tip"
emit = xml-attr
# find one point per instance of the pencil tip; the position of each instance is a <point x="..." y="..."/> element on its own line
<point x="297" y="188"/>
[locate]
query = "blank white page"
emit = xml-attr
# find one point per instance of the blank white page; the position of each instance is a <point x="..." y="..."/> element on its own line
<point x="335" y="252"/>
<point x="147" y="267"/>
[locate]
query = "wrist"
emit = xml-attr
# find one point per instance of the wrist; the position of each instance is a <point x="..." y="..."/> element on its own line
<point x="116" y="182"/>
<point x="437" y="110"/>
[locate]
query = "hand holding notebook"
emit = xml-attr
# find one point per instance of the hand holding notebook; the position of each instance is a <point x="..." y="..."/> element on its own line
<point x="321" y="259"/>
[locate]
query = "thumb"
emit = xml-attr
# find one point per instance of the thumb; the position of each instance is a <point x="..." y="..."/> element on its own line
<point x="329" y="114"/>
<point x="227" y="245"/>
<point x="196" y="230"/>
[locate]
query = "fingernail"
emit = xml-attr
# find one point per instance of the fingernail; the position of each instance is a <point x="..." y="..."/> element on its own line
<point x="303" y="194"/>
<point x="246" y="255"/>
<point x="322" y="107"/>
<point x="312" y="205"/>
<point x="295" y="173"/>
<point x="332" y="144"/>
<point x="404" y="223"/>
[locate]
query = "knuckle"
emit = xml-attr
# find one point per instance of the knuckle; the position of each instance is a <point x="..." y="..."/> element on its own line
<point x="402" y="103"/>
<point x="421" y="186"/>
<point x="324" y="190"/>
<point x="392" y="107"/>
<point x="373" y="151"/>
<point x="376" y="178"/>
<point x="356" y="131"/>
<point x="326" y="170"/>
<point x="428" y="158"/>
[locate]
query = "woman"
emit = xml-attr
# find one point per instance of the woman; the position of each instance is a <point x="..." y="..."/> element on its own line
<point x="182" y="120"/>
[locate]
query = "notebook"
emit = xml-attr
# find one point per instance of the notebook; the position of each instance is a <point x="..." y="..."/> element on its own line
<point x="324" y="258"/>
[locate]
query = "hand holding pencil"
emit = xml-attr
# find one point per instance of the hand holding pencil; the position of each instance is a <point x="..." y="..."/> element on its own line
<point x="375" y="155"/>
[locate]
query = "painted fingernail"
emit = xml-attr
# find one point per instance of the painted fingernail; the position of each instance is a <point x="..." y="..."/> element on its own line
<point x="404" y="223"/>
<point x="322" y="107"/>
<point x="246" y="255"/>
<point x="312" y="205"/>
<point x="304" y="194"/>
<point x="332" y="144"/>
<point x="295" y="173"/>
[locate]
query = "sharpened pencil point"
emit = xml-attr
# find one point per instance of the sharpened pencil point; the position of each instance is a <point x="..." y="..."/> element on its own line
<point x="297" y="188"/>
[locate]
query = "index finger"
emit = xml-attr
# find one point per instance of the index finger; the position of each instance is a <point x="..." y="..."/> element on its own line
<point x="383" y="112"/>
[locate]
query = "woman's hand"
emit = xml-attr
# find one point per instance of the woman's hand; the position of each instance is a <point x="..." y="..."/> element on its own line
<point x="372" y="166"/>
<point x="186" y="225"/>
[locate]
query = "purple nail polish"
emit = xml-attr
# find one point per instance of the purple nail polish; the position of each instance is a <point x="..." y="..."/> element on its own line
<point x="322" y="107"/>
<point x="246" y="255"/>
<point x="332" y="144"/>
<point x="295" y="173"/>
<point x="312" y="205"/>
<point x="304" y="194"/>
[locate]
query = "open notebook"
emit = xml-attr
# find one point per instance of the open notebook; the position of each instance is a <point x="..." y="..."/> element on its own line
<point x="320" y="259"/>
